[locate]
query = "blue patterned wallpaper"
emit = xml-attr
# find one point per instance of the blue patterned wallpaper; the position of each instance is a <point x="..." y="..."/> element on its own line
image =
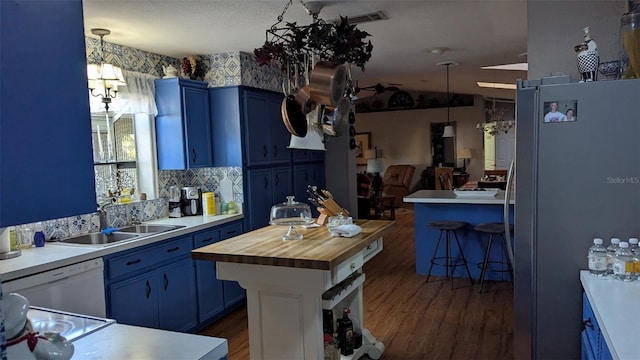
<point x="223" y="69"/>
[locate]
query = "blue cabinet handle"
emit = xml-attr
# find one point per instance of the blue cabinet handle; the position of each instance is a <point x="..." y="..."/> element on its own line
<point x="193" y="150"/>
<point x="133" y="262"/>
<point x="207" y="239"/>
<point x="148" y="289"/>
<point x="264" y="150"/>
<point x="275" y="151"/>
<point x="166" y="282"/>
<point x="266" y="182"/>
<point x="231" y="232"/>
<point x="173" y="249"/>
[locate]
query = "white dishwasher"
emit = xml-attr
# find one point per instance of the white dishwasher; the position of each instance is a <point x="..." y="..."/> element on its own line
<point x="77" y="288"/>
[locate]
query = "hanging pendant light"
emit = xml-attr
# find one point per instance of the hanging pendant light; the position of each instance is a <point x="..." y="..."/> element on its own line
<point x="104" y="78"/>
<point x="448" y="129"/>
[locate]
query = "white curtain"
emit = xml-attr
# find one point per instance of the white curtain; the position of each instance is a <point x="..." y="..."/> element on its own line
<point x="137" y="97"/>
<point x="139" y="93"/>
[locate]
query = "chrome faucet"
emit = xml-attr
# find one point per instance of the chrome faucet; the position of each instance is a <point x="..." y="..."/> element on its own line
<point x="102" y="213"/>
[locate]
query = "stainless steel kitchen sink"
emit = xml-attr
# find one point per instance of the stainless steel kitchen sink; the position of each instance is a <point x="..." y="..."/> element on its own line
<point x="148" y="228"/>
<point x="98" y="238"/>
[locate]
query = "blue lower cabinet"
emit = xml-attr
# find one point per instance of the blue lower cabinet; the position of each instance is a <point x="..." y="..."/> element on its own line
<point x="176" y="309"/>
<point x="135" y="301"/>
<point x="233" y="293"/>
<point x="208" y="287"/>
<point x="160" y="299"/>
<point x="215" y="296"/>
<point x="594" y="346"/>
<point x="153" y="286"/>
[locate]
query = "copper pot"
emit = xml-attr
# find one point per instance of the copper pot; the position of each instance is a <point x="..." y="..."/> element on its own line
<point x="303" y="98"/>
<point x="328" y="82"/>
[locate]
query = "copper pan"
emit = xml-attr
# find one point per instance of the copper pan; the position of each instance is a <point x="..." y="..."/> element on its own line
<point x="294" y="119"/>
<point x="328" y="82"/>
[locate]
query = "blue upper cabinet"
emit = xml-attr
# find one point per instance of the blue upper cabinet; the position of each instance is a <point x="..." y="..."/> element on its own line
<point x="250" y="122"/>
<point x="267" y="138"/>
<point x="183" y="124"/>
<point x="46" y="163"/>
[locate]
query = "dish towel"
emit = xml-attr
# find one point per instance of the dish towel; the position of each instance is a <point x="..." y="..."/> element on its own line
<point x="350" y="230"/>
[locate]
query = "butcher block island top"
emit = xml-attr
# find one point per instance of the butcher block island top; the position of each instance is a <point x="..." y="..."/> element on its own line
<point x="317" y="250"/>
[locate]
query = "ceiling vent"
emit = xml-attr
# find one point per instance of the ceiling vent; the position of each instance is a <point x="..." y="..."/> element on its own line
<point x="359" y="19"/>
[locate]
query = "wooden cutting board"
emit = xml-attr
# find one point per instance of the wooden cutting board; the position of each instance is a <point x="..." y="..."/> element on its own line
<point x="317" y="250"/>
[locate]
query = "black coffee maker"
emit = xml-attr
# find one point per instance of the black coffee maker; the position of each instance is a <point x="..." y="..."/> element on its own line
<point x="191" y="201"/>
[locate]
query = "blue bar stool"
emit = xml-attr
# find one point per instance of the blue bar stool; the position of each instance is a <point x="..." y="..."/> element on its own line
<point x="493" y="229"/>
<point x="450" y="263"/>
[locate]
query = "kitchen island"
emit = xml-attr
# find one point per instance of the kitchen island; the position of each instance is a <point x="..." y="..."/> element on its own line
<point x="289" y="283"/>
<point x="433" y="205"/>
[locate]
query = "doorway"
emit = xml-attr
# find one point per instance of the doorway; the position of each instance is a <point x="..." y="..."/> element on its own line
<point x="443" y="150"/>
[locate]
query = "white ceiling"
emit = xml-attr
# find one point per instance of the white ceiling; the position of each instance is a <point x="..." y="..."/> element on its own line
<point x="477" y="32"/>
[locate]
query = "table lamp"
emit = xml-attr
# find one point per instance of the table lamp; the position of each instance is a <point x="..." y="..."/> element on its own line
<point x="464" y="155"/>
<point x="375" y="166"/>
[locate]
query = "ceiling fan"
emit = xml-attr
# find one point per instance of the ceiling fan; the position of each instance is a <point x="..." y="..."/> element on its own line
<point x="379" y="88"/>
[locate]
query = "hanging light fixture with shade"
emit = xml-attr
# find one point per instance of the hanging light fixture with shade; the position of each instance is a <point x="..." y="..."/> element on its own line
<point x="104" y="78"/>
<point x="448" y="129"/>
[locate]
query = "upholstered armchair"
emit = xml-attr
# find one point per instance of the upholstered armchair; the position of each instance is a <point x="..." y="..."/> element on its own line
<point x="397" y="181"/>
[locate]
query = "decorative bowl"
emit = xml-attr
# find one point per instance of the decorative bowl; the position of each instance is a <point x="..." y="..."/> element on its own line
<point x="610" y="69"/>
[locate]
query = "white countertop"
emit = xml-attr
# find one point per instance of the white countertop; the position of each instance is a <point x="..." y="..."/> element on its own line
<point x="615" y="305"/>
<point x="54" y="255"/>
<point x="449" y="197"/>
<point x="118" y="341"/>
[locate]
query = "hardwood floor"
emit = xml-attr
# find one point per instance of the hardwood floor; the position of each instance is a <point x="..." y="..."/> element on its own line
<point x="413" y="319"/>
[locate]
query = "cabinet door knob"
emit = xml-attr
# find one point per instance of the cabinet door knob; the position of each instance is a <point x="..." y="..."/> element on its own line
<point x="352" y="266"/>
<point x="587" y="324"/>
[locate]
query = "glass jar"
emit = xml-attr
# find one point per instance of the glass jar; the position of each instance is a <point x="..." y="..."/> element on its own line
<point x="630" y="45"/>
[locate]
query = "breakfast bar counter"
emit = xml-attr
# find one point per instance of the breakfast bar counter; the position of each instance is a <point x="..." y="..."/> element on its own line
<point x="435" y="205"/>
<point x="289" y="283"/>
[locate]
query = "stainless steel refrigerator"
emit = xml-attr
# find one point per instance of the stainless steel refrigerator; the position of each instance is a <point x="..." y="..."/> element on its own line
<point x="577" y="178"/>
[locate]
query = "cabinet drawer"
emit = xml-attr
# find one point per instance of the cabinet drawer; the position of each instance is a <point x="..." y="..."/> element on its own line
<point x="230" y="230"/>
<point x="205" y="238"/>
<point x="348" y="267"/>
<point x="372" y="249"/>
<point x="136" y="260"/>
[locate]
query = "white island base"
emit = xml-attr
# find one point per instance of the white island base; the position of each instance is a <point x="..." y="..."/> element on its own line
<point x="284" y="307"/>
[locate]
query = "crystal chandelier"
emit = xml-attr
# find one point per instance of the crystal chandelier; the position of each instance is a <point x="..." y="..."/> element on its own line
<point x="495" y="125"/>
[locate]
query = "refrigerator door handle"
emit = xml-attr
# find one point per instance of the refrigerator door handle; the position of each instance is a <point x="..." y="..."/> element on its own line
<point x="507" y="200"/>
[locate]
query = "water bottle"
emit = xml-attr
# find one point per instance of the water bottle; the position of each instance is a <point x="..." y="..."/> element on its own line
<point x="38" y="237"/>
<point x="623" y="267"/>
<point x="633" y="245"/>
<point x="611" y="252"/>
<point x="598" y="259"/>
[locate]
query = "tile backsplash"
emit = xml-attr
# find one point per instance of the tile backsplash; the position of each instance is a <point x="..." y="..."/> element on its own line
<point x="226" y="181"/>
